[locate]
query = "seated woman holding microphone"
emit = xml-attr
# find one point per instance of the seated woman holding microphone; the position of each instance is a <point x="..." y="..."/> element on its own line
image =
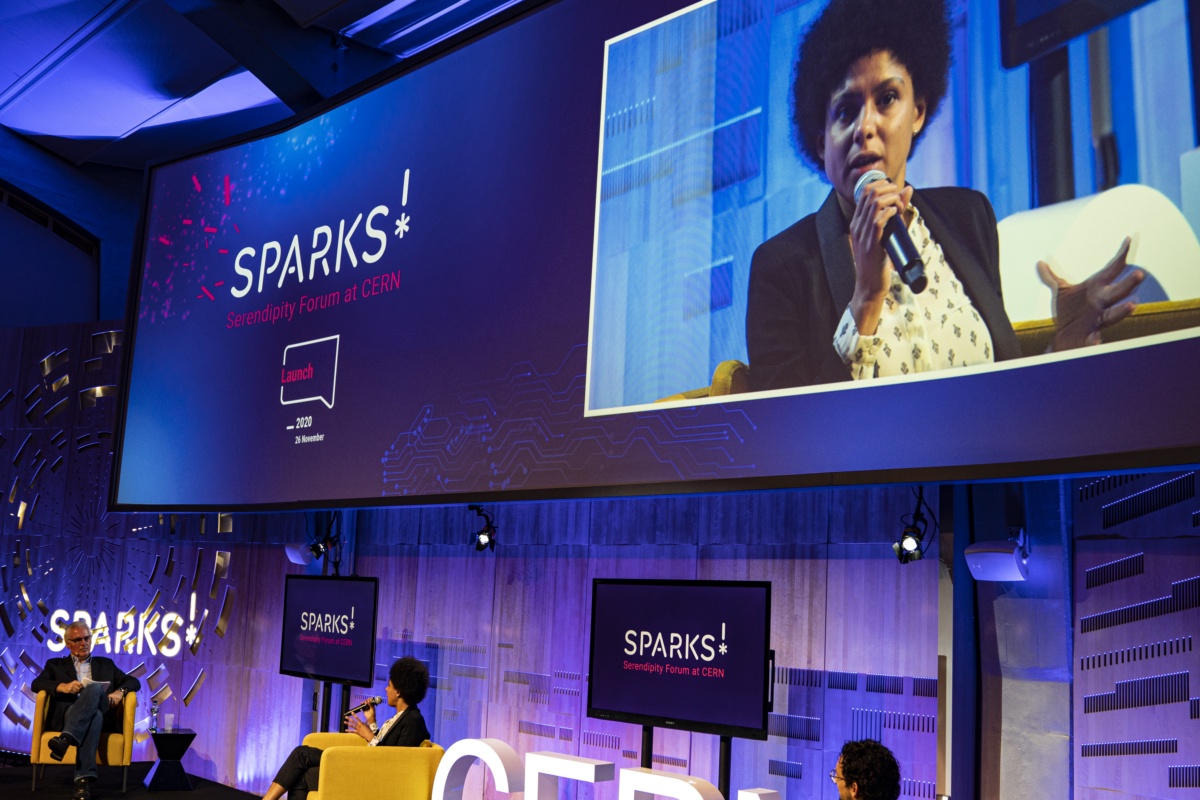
<point x="827" y="300"/>
<point x="408" y="681"/>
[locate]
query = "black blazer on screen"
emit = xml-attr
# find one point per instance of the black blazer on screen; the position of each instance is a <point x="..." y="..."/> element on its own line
<point x="801" y="281"/>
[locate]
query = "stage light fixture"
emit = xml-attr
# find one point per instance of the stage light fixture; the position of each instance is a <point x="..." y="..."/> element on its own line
<point x="309" y="552"/>
<point x="912" y="544"/>
<point x="1000" y="560"/>
<point x="304" y="554"/>
<point x="485" y="537"/>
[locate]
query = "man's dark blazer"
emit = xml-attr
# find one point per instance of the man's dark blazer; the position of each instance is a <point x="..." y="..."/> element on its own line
<point x="410" y="731"/>
<point x="61" y="670"/>
<point x="801" y="281"/>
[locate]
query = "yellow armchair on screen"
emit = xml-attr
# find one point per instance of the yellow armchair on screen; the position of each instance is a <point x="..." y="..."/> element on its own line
<point x="115" y="750"/>
<point x="351" y="769"/>
<point x="730" y="377"/>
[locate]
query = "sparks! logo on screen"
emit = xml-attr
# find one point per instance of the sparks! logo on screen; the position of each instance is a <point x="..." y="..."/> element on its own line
<point x="273" y="260"/>
<point x="310" y="371"/>
<point x="683" y="647"/>
<point x="327" y="623"/>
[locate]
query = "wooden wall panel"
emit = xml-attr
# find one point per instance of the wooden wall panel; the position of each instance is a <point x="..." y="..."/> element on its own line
<point x="645" y="561"/>
<point x="278" y="529"/>
<point x="446" y="525"/>
<point x="245" y="721"/>
<point x="880" y="612"/>
<point x="1135" y="692"/>
<point x="873" y="515"/>
<point x="379" y="531"/>
<point x="798" y="593"/>
<point x="646" y="521"/>
<point x="455" y="595"/>
<point x="766" y="518"/>
<point x="539" y="628"/>
<point x="398" y="579"/>
<point x="564" y="522"/>
<point x="257" y="577"/>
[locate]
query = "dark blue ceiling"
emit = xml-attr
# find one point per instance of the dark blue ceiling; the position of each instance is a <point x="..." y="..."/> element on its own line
<point x="126" y="82"/>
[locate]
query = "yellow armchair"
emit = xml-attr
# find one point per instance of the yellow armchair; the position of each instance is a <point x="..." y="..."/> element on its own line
<point x="730" y="377"/>
<point x="115" y="750"/>
<point x="1147" y="319"/>
<point x="351" y="769"/>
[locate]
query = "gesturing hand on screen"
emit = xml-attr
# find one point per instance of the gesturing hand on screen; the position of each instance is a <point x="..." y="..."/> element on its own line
<point x="1081" y="310"/>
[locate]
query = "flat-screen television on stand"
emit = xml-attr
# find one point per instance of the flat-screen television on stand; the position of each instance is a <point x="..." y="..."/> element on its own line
<point x="329" y="629"/>
<point x="689" y="655"/>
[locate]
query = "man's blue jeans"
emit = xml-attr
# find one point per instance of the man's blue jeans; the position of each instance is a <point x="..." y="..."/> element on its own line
<point x="83" y="722"/>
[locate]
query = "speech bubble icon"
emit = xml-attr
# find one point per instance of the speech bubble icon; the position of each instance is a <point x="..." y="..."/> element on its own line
<point x="310" y="371"/>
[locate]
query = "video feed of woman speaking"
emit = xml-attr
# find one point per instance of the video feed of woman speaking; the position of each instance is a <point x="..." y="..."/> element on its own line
<point x="810" y="203"/>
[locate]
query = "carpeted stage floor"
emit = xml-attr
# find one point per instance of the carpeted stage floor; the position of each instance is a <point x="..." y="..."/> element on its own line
<point x="55" y="784"/>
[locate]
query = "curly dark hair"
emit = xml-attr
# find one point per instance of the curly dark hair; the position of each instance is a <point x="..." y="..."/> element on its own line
<point x="915" y="32"/>
<point x="410" y="678"/>
<point x="873" y="767"/>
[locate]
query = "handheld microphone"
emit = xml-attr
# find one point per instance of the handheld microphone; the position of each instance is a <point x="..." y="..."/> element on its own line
<point x="364" y="705"/>
<point x="896" y="242"/>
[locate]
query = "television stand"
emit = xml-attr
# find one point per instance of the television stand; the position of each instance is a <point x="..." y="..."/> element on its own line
<point x="724" y="758"/>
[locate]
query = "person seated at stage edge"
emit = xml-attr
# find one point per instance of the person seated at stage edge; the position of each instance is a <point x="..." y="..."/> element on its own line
<point x="866" y="770"/>
<point x="408" y="681"/>
<point x="81" y="688"/>
<point x="825" y="303"/>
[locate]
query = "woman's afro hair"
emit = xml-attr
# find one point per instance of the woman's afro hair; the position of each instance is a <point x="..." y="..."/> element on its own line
<point x="915" y="32"/>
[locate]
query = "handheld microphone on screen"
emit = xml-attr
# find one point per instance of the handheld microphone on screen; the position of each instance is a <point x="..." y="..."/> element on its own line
<point x="364" y="705"/>
<point x="896" y="242"/>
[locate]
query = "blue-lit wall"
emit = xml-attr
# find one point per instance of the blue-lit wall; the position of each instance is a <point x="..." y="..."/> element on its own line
<point x="104" y="201"/>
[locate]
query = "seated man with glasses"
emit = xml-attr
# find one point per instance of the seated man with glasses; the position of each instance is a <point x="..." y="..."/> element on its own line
<point x="81" y="687"/>
<point x="866" y="770"/>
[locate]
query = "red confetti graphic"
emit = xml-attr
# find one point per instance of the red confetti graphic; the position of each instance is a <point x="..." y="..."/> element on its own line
<point x="227" y="194"/>
<point x="196" y="183"/>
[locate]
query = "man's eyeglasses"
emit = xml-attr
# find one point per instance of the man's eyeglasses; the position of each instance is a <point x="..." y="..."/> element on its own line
<point x="833" y="776"/>
<point x="79" y="639"/>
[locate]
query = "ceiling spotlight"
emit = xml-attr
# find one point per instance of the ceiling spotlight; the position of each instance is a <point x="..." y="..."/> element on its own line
<point x="912" y="544"/>
<point x="909" y="547"/>
<point x="485" y="537"/>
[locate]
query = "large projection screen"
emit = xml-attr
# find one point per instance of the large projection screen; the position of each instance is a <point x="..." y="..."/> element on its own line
<point x="477" y="281"/>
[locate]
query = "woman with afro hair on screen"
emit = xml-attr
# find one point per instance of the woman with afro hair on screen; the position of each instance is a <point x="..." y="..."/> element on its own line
<point x="825" y="303"/>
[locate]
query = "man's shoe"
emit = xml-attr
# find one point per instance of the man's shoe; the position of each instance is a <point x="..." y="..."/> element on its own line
<point x="60" y="744"/>
<point x="82" y="792"/>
